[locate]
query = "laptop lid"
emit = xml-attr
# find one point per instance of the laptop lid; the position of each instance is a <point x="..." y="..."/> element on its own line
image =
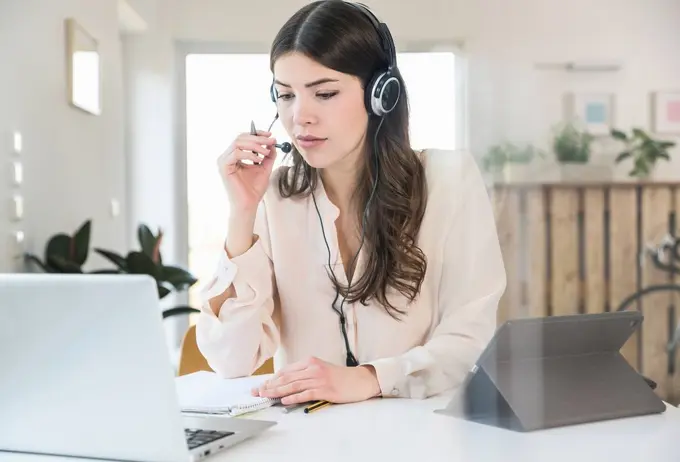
<point x="85" y="368"/>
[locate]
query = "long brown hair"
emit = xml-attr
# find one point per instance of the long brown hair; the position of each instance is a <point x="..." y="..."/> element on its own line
<point x="341" y="38"/>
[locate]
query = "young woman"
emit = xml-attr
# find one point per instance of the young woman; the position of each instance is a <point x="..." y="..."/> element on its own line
<point x="364" y="267"/>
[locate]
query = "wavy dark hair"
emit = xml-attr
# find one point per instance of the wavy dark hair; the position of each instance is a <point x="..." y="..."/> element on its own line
<point x="340" y="37"/>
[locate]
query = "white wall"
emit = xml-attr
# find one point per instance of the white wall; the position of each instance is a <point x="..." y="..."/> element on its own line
<point x="512" y="100"/>
<point x="74" y="163"/>
<point x="150" y="98"/>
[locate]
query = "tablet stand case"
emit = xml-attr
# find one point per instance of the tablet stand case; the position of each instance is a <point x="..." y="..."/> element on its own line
<point x="538" y="373"/>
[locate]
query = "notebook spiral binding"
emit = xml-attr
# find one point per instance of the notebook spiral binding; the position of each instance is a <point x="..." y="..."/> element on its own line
<point x="235" y="410"/>
<point x="246" y="408"/>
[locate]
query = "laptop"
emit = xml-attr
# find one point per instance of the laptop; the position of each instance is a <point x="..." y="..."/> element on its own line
<point x="86" y="372"/>
<point x="540" y="373"/>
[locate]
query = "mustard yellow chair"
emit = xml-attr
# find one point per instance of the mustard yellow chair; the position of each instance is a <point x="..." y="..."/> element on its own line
<point x="191" y="360"/>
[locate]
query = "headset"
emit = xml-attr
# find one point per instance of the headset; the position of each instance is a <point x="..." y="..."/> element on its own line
<point x="384" y="88"/>
<point x="381" y="96"/>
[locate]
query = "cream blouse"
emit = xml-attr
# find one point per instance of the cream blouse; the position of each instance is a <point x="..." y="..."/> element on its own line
<point x="282" y="307"/>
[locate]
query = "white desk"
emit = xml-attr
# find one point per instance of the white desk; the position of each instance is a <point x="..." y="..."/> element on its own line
<point x="391" y="430"/>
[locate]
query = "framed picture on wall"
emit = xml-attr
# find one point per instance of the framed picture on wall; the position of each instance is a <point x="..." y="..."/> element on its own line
<point x="666" y="112"/>
<point x="593" y="111"/>
<point x="83" y="67"/>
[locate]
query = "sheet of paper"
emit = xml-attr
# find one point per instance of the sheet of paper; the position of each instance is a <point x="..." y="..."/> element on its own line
<point x="208" y="391"/>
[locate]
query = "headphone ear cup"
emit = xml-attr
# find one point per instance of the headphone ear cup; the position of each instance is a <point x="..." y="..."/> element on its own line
<point x="272" y="92"/>
<point x="382" y="93"/>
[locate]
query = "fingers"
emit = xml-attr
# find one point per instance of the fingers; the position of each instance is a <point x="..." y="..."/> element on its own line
<point x="239" y="155"/>
<point x="256" y="146"/>
<point x="302" y="397"/>
<point x="283" y="380"/>
<point x="255" y="149"/>
<point x="291" y="388"/>
<point x="262" y="138"/>
<point x="268" y="162"/>
<point x="288" y="378"/>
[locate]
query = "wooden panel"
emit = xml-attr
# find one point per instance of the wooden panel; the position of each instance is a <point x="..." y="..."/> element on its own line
<point x="656" y="205"/>
<point x="623" y="259"/>
<point x="537" y="278"/>
<point x="564" y="206"/>
<point x="674" y="394"/>
<point x="507" y="209"/>
<point x="595" y="289"/>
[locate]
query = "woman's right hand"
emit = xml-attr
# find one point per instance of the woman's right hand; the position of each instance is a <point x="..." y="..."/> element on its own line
<point x="246" y="184"/>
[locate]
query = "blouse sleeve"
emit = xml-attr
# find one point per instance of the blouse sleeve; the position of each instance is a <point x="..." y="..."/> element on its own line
<point x="244" y="334"/>
<point x="472" y="282"/>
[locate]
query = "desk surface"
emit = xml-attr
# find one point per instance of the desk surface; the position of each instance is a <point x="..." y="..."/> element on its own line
<point x="408" y="430"/>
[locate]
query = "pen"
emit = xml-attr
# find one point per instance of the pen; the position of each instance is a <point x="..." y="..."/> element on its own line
<point x="316" y="406"/>
<point x="293" y="407"/>
<point x="253" y="131"/>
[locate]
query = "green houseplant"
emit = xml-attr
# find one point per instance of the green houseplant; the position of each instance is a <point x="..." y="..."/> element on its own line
<point x="65" y="253"/>
<point x="68" y="253"/>
<point x="500" y="155"/>
<point x="642" y="149"/>
<point x="572" y="145"/>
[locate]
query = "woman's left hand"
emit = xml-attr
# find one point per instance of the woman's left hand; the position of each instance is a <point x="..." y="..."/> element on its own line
<point x="314" y="379"/>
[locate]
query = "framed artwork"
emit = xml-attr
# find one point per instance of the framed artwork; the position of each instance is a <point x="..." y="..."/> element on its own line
<point x="593" y="111"/>
<point x="666" y="112"/>
<point x="83" y="68"/>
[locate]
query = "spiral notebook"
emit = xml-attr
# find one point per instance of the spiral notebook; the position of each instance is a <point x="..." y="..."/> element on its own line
<point x="207" y="393"/>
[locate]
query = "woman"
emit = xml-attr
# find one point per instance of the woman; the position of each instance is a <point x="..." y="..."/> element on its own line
<point x="415" y="252"/>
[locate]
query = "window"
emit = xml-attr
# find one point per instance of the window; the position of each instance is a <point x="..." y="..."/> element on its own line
<point x="225" y="91"/>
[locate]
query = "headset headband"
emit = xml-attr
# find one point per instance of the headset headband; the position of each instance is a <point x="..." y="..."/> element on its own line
<point x="383" y="31"/>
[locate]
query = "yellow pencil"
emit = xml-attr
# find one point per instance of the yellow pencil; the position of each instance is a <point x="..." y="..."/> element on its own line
<point x="316" y="406"/>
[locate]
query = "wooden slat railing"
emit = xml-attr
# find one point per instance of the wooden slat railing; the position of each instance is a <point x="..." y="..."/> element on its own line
<point x="579" y="248"/>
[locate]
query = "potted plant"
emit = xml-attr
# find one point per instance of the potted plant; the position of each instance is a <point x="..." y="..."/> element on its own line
<point x="573" y="150"/>
<point x="643" y="150"/>
<point x="68" y="253"/>
<point x="572" y="145"/>
<point x="509" y="162"/>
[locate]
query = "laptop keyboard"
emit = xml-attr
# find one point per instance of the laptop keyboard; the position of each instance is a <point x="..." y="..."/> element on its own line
<point x="197" y="437"/>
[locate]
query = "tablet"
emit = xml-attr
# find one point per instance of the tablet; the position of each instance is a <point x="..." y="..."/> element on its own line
<point x="539" y="373"/>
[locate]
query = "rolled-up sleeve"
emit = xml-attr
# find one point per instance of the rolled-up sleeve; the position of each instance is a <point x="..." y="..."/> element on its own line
<point x="473" y="280"/>
<point x="244" y="334"/>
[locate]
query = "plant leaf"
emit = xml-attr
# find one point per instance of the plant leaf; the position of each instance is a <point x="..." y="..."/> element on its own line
<point x="140" y="263"/>
<point x="113" y="257"/>
<point x="666" y="144"/>
<point x="163" y="291"/>
<point x="147" y="240"/>
<point x="34" y="259"/>
<point x="81" y="243"/>
<point x="178" y="277"/>
<point x="179" y="310"/>
<point x="624" y="155"/>
<point x="63" y="265"/>
<point x="639" y="133"/>
<point x="663" y="155"/>
<point x="59" y="245"/>
<point x="619" y="135"/>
